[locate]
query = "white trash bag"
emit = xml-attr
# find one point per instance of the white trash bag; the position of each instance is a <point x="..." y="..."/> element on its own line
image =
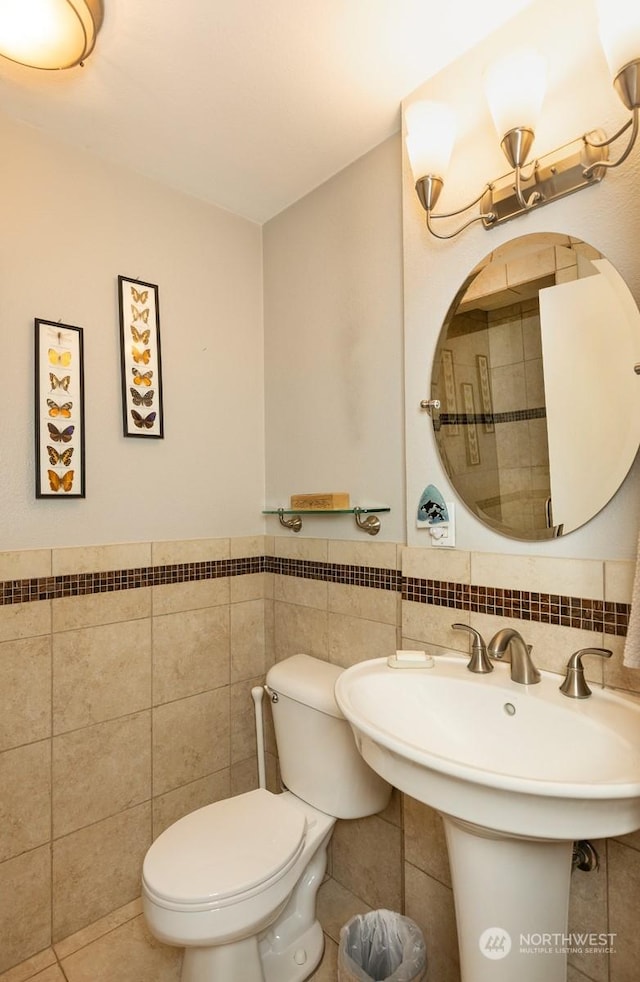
<point x="381" y="946"/>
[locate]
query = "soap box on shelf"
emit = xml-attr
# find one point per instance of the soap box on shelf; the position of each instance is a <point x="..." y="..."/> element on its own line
<point x="318" y="501"/>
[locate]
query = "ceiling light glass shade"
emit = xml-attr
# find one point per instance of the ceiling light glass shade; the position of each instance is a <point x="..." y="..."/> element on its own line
<point x="430" y="137"/>
<point x="49" y="34"/>
<point x="619" y="26"/>
<point x="514" y="86"/>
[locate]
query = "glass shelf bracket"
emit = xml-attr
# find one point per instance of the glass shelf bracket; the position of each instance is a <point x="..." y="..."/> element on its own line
<point x="292" y="519"/>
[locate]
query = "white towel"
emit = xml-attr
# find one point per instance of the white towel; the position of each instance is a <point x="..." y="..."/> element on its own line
<point x="631" y="657"/>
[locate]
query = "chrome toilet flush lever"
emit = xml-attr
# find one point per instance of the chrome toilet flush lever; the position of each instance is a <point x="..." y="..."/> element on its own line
<point x="479" y="661"/>
<point x="575" y="685"/>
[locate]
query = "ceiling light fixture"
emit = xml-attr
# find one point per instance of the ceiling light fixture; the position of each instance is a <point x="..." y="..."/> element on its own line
<point x="515" y="90"/>
<point x="49" y="34"/>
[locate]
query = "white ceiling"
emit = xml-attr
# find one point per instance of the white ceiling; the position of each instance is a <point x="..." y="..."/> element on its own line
<point x="247" y="104"/>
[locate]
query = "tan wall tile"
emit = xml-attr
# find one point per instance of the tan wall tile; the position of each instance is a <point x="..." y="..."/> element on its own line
<point x="624" y="902"/>
<point x="425" y="845"/>
<point x="168" y="808"/>
<point x="71" y="613"/>
<point x="296" y="590"/>
<point x="353" y="846"/>
<point x="25" y="691"/>
<point x="97" y="869"/>
<point x="243" y="721"/>
<point x="171" y="598"/>
<point x="288" y="547"/>
<point x="270" y="632"/>
<point x="250" y="586"/>
<point x="618" y="581"/>
<point x="244" y="776"/>
<point x="25" y="906"/>
<point x="430" y="905"/>
<point x="300" y="629"/>
<point x="189" y="551"/>
<point x="25" y="800"/>
<point x="101" y="673"/>
<point x="248" y="640"/>
<point x="429" y="624"/>
<point x="365" y="602"/>
<point x="543" y="574"/>
<point x="451" y="565"/>
<point x="100" y="770"/>
<point x="352" y="639"/>
<point x="98" y="559"/>
<point x="381" y="555"/>
<point x="190" y="653"/>
<point x="615" y="673"/>
<point x="25" y="620"/>
<point x="191" y="738"/>
<point x="248" y="546"/>
<point x="25" y="564"/>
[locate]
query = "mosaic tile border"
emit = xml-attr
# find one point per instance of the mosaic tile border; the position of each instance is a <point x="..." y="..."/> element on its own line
<point x="579" y="612"/>
<point x="547" y="608"/>
<point x="83" y="584"/>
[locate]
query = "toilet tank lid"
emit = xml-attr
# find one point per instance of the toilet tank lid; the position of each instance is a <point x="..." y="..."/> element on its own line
<point x="307" y="680"/>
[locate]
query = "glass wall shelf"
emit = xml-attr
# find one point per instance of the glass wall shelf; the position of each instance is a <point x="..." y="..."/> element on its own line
<point x="292" y="518"/>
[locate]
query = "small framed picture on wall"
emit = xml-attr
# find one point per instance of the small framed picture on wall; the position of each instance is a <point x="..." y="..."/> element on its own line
<point x="142" y="412"/>
<point x="59" y="410"/>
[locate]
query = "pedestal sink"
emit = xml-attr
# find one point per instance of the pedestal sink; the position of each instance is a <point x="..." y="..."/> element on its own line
<point x="518" y="773"/>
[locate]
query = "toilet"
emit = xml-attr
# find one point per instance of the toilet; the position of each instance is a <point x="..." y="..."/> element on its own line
<point x="235" y="882"/>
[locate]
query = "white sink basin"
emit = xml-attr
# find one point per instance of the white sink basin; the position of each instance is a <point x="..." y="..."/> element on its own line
<point x="521" y="760"/>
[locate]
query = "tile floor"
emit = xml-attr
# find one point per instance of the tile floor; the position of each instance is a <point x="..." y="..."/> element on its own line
<point x="118" y="948"/>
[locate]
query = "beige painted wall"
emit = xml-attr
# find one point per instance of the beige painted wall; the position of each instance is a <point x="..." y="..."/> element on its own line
<point x="70" y="225"/>
<point x="333" y="336"/>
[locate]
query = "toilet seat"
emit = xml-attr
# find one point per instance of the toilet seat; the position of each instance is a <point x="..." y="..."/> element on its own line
<point x="225" y="852"/>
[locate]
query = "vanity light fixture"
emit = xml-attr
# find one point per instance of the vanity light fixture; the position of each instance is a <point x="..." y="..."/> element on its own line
<point x="515" y="90"/>
<point x="49" y="34"/>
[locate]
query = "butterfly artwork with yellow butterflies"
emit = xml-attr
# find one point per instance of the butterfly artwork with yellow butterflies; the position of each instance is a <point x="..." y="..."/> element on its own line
<point x="142" y="409"/>
<point x="59" y="410"/>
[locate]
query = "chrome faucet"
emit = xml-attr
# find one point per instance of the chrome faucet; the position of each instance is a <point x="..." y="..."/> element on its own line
<point x="574" y="684"/>
<point x="479" y="661"/>
<point x="522" y="668"/>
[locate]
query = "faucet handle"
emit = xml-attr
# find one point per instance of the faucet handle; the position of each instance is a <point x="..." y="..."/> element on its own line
<point x="575" y="685"/>
<point x="479" y="661"/>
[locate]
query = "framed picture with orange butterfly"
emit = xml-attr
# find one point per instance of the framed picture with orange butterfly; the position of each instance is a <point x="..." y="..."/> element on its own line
<point x="59" y="410"/>
<point x="142" y="414"/>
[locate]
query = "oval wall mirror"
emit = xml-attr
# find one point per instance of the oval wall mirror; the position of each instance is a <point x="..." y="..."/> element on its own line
<point x="537" y="374"/>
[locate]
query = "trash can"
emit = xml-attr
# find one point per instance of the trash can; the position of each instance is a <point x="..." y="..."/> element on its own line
<point x="381" y="945"/>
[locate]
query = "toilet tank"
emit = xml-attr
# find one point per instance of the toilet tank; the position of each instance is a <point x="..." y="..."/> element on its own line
<point x="319" y="761"/>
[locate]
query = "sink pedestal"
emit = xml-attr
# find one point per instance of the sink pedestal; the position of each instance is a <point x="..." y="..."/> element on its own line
<point x="509" y="893"/>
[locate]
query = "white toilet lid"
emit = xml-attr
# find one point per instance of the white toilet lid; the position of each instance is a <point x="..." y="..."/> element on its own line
<point x="224" y="849"/>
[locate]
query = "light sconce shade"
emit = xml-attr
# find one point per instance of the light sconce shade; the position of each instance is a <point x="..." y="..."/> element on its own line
<point x="430" y="137"/>
<point x="514" y="87"/>
<point x="619" y="26"/>
<point x="49" y="34"/>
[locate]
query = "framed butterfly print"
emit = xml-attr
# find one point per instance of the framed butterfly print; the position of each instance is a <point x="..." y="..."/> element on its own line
<point x="59" y="410"/>
<point x="142" y="413"/>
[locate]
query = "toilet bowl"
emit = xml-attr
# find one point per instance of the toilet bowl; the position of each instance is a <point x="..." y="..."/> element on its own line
<point x="235" y="882"/>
